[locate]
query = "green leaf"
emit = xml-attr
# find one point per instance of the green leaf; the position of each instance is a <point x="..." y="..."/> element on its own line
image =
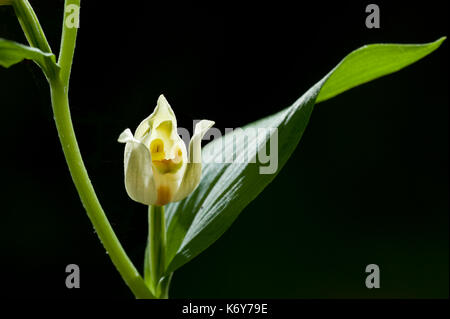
<point x="12" y="52"/>
<point x="226" y="188"/>
<point x="371" y="62"/>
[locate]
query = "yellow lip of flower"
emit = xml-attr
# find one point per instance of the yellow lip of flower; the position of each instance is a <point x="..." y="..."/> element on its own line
<point x="163" y="164"/>
<point x="167" y="157"/>
<point x="157" y="150"/>
<point x="156" y="164"/>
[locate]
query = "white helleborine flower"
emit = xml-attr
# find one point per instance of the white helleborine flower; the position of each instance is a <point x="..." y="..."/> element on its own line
<point x="157" y="168"/>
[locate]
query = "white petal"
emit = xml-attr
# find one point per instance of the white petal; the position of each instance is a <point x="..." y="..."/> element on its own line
<point x="162" y="112"/>
<point x="193" y="171"/>
<point x="139" y="180"/>
<point x="125" y="136"/>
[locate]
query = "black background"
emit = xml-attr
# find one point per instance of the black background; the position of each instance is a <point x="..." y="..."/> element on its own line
<point x="367" y="184"/>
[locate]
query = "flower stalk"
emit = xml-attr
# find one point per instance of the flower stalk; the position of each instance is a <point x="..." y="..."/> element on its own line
<point x="156" y="248"/>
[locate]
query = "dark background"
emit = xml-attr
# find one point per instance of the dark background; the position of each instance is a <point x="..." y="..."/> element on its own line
<point x="367" y="184"/>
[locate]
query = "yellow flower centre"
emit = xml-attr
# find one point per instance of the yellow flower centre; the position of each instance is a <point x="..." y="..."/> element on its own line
<point x="157" y="149"/>
<point x="159" y="160"/>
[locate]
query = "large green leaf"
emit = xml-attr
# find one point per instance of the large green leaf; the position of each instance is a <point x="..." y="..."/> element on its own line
<point x="371" y="62"/>
<point x="12" y="52"/>
<point x="226" y="188"/>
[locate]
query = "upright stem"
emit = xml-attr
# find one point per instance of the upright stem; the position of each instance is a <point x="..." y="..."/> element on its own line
<point x="156" y="247"/>
<point x="130" y="275"/>
<point x="68" y="40"/>
<point x="59" y="82"/>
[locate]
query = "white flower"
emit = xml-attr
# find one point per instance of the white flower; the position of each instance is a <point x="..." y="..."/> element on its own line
<point x="157" y="168"/>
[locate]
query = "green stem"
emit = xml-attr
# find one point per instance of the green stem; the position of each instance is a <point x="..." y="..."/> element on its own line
<point x="59" y="82"/>
<point x="68" y="40"/>
<point x="130" y="275"/>
<point x="156" y="247"/>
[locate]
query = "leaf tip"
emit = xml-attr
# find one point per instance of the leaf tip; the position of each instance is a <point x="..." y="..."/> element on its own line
<point x="441" y="40"/>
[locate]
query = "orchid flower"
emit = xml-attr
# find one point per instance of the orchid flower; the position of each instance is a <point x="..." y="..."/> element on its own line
<point x="157" y="167"/>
